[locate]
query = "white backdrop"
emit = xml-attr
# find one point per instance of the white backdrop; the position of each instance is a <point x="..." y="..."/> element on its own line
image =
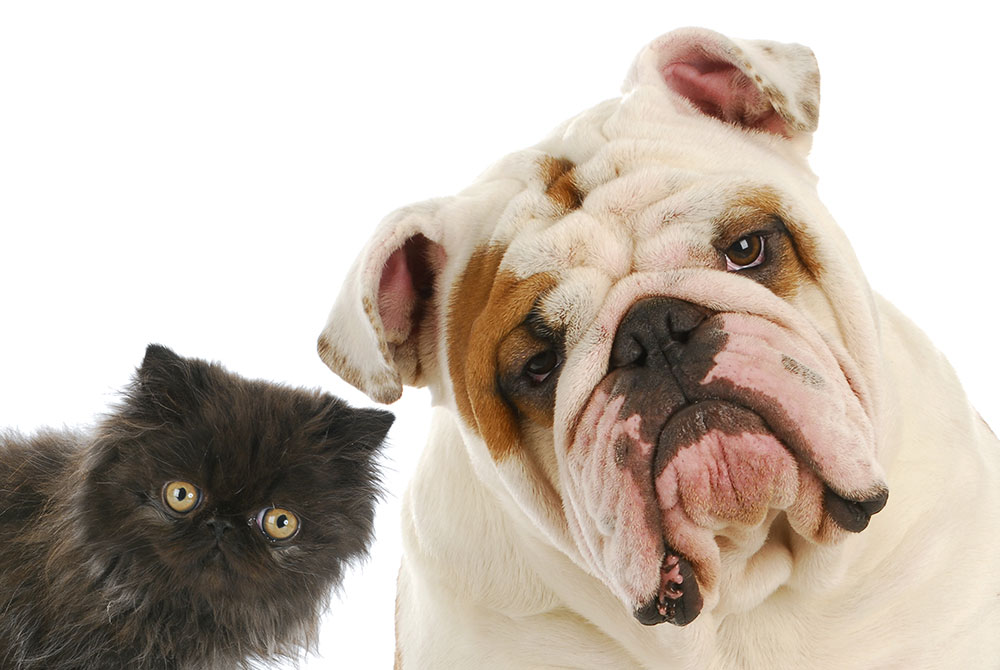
<point x="201" y="174"/>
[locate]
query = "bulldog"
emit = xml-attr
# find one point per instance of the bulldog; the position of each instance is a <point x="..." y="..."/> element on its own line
<point x="673" y="426"/>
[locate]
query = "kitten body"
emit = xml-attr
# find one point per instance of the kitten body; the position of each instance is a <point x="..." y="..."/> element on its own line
<point x="202" y="525"/>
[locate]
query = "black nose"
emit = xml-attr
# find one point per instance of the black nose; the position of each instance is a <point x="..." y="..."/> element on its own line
<point x="219" y="524"/>
<point x="654" y="331"/>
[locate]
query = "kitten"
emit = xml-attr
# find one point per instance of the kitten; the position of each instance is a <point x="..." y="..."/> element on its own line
<point x="200" y="527"/>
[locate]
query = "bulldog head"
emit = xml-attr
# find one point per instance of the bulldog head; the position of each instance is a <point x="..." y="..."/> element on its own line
<point x="648" y="325"/>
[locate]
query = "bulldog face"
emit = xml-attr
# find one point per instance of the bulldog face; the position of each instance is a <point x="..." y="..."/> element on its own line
<point x="648" y="325"/>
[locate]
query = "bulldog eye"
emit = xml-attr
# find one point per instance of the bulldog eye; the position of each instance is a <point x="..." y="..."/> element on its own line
<point x="541" y="365"/>
<point x="746" y="252"/>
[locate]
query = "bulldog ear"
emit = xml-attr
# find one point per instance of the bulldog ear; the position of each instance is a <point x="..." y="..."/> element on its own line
<point x="759" y="85"/>
<point x="371" y="338"/>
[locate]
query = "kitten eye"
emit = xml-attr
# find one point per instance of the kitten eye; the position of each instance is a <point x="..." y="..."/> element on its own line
<point x="746" y="252"/>
<point x="277" y="523"/>
<point x="181" y="496"/>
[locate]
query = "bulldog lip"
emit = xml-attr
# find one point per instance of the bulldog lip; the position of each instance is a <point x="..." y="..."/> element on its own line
<point x="678" y="600"/>
<point x="854" y="515"/>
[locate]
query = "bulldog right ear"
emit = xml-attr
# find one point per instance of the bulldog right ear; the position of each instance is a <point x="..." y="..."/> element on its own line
<point x="371" y="338"/>
<point x="754" y="84"/>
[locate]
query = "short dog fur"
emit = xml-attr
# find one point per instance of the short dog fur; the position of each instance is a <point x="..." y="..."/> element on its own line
<point x="673" y="425"/>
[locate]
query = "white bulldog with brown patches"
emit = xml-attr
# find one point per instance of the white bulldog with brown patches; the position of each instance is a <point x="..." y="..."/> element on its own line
<point x="665" y="394"/>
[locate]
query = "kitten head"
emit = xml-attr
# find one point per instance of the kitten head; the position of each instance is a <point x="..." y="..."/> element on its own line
<point x="226" y="505"/>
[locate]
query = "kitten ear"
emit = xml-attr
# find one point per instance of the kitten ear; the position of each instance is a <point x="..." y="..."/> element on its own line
<point x="159" y="357"/>
<point x="164" y="380"/>
<point x="344" y="426"/>
<point x="373" y="425"/>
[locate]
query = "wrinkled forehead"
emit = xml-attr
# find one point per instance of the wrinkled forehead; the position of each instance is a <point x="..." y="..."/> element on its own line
<point x="611" y="188"/>
<point x="655" y="214"/>
<point x="589" y="225"/>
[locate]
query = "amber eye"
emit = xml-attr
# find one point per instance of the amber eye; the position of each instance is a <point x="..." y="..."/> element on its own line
<point x="746" y="252"/>
<point x="181" y="496"/>
<point x="277" y="523"/>
<point x="541" y="365"/>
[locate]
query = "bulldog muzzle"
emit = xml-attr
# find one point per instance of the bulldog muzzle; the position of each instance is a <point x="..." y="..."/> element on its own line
<point x="704" y="452"/>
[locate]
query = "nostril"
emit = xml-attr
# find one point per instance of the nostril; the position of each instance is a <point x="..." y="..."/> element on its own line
<point x="627" y="351"/>
<point x="652" y="329"/>
<point x="678" y="336"/>
<point x="683" y="319"/>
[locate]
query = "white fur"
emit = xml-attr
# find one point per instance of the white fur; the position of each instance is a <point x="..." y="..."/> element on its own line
<point x="494" y="575"/>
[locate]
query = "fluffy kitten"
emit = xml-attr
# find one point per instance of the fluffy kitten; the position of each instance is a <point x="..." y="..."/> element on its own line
<point x="201" y="526"/>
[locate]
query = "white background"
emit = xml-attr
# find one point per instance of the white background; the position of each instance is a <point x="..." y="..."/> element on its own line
<point x="201" y="174"/>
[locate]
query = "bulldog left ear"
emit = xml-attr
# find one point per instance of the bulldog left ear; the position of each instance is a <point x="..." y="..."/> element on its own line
<point x="758" y="85"/>
<point x="372" y="336"/>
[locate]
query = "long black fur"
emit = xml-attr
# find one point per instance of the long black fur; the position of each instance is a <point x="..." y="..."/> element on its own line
<point x="96" y="573"/>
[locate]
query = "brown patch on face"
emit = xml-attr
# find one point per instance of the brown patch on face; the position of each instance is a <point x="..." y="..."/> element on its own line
<point x="557" y="174"/>
<point x="485" y="306"/>
<point x="534" y="402"/>
<point x="790" y="252"/>
<point x="467" y="300"/>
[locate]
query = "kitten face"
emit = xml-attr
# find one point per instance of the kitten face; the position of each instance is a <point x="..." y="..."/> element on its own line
<point x="243" y="498"/>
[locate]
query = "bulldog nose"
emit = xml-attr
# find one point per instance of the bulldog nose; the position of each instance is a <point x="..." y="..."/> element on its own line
<point x="657" y="329"/>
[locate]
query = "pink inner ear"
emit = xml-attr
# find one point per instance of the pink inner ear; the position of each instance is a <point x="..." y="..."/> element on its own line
<point x="721" y="90"/>
<point x="407" y="284"/>
<point x="397" y="296"/>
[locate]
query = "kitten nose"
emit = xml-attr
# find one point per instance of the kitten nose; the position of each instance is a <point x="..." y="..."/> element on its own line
<point x="219" y="524"/>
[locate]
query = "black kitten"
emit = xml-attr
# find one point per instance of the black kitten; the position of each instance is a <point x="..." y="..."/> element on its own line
<point x="202" y="525"/>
